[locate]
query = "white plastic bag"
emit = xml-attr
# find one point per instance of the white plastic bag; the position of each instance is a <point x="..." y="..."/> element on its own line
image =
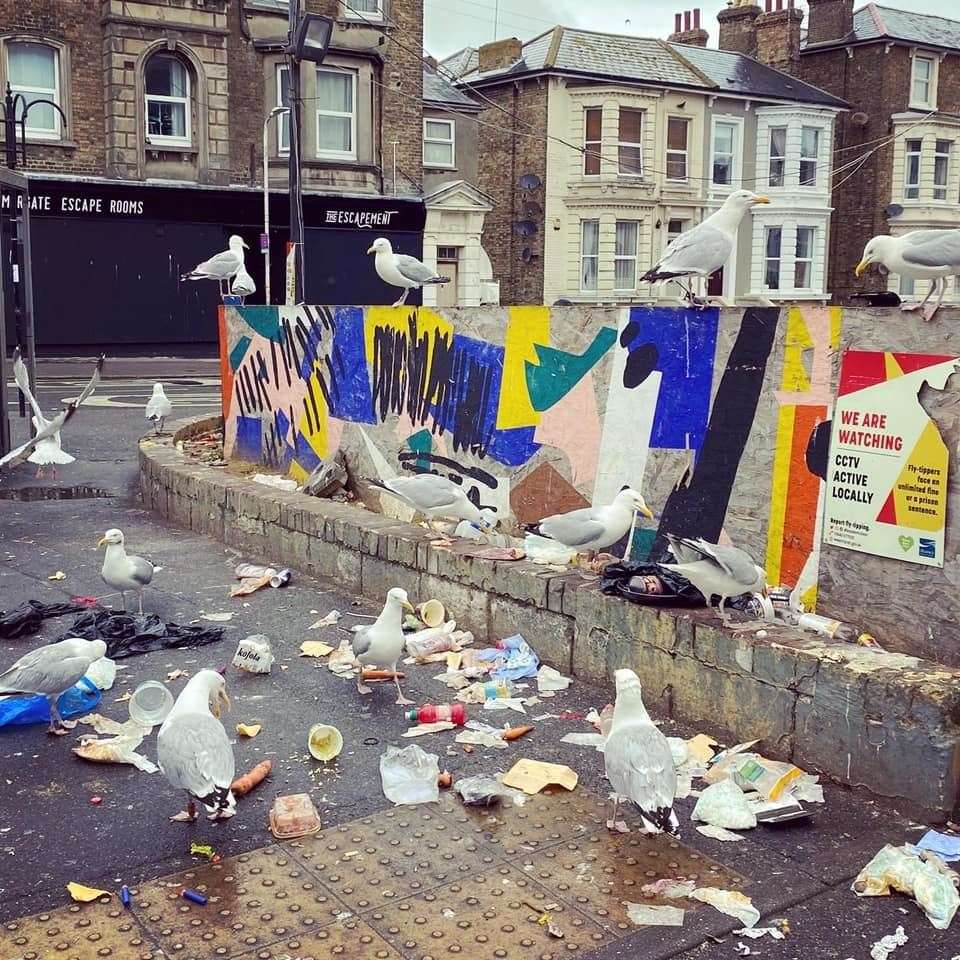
<point x="724" y="805"/>
<point x="409" y="775"/>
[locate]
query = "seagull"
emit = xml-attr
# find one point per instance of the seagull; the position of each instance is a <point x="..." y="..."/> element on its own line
<point x="243" y="284"/>
<point x="381" y="644"/>
<point x="399" y="270"/>
<point x="159" y="407"/>
<point x="716" y="570"/>
<point x="922" y="254"/>
<point x="593" y="528"/>
<point x="122" y="571"/>
<point x="193" y="749"/>
<point x="50" y="671"/>
<point x="638" y="760"/>
<point x="44" y="447"/>
<point x="705" y="248"/>
<point x="222" y="267"/>
<point x="435" y="496"/>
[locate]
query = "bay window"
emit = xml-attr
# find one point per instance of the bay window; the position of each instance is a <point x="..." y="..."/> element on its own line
<point x="589" y="254"/>
<point x="724" y="153"/>
<point x="911" y="185"/>
<point x="625" y="255"/>
<point x="630" y="148"/>
<point x="941" y="169"/>
<point x="778" y="156"/>
<point x="593" y="140"/>
<point x="772" y="240"/>
<point x="809" y="153"/>
<point x="677" y="134"/>
<point x="803" y="261"/>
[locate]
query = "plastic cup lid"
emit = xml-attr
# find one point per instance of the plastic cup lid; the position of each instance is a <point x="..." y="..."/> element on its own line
<point x="151" y="702"/>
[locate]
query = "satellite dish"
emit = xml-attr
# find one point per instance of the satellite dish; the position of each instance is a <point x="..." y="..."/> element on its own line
<point x="860" y="119"/>
<point x="527" y="255"/>
<point x="532" y="209"/>
<point x="893" y="210"/>
<point x="530" y="181"/>
<point x="525" y="228"/>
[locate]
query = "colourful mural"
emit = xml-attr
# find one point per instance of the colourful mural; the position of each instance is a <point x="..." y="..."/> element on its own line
<point x="536" y="410"/>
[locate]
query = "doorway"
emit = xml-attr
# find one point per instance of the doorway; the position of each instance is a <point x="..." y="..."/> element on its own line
<point x="448" y="265"/>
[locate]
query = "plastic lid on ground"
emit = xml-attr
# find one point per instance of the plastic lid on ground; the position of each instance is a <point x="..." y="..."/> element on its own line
<point x="151" y="703"/>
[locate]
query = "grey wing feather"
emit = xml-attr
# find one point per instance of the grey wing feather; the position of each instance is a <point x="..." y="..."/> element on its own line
<point x="574" y="528"/>
<point x="427" y="491"/>
<point x="44" y="671"/>
<point x="142" y="570"/>
<point x="684" y="550"/>
<point x="639" y="765"/>
<point x="413" y="269"/>
<point x="23" y="382"/>
<point x="703" y="249"/>
<point x="736" y="562"/>
<point x="195" y="754"/>
<point x="932" y="248"/>
<point x="92" y="384"/>
<point x="223" y="265"/>
<point x="361" y="642"/>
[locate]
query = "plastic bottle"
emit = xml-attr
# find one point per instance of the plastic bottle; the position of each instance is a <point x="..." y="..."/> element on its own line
<point x="844" y="632"/>
<point x="510" y="643"/>
<point x="499" y="689"/>
<point x="429" y="713"/>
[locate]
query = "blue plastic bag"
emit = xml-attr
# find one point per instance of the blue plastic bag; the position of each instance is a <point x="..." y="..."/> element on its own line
<point x="515" y="662"/>
<point x="81" y="698"/>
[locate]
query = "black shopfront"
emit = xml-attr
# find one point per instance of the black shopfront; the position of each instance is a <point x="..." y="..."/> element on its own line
<point x="107" y="256"/>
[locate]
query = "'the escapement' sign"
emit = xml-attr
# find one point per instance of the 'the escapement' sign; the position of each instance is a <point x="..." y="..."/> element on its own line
<point x="887" y="473"/>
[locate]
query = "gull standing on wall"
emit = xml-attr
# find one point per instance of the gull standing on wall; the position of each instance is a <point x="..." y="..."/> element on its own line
<point x="705" y="248"/>
<point x="400" y="270"/>
<point x="920" y="254"/>
<point x="223" y="267"/>
<point x="158" y="407"/>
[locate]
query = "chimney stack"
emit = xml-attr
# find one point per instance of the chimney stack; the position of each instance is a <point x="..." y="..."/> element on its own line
<point x="499" y="54"/>
<point x="829" y="20"/>
<point x="692" y="33"/>
<point x="778" y="35"/>
<point x="738" y="27"/>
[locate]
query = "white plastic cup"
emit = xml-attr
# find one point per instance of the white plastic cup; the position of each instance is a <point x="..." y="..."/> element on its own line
<point x="150" y="704"/>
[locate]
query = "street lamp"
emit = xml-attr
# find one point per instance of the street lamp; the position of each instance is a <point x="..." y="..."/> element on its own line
<point x="308" y="39"/>
<point x="265" y="240"/>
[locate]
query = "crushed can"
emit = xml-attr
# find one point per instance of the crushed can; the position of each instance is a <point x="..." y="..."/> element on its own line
<point x="254" y="654"/>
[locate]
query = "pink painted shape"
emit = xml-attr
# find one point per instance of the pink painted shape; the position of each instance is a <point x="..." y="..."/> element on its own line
<point x="573" y="426"/>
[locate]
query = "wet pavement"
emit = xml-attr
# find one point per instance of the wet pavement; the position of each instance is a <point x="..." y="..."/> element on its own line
<point x="378" y="882"/>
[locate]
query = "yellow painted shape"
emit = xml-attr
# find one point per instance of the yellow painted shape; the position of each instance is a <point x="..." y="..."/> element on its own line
<point x="930" y="451"/>
<point x="893" y="369"/>
<point x="798" y="339"/>
<point x="526" y="326"/>
<point x="429" y="326"/>
<point x="809" y="599"/>
<point x="836" y="325"/>
<point x="778" y="490"/>
<point x="319" y="439"/>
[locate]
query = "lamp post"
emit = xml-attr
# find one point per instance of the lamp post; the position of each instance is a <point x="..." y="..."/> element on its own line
<point x="266" y="200"/>
<point x="308" y="39"/>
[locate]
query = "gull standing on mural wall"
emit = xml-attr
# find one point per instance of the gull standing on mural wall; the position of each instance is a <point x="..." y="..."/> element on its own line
<point x="400" y="270"/>
<point x="435" y="497"/>
<point x="705" y="248"/>
<point x="932" y="255"/>
<point x="223" y="267"/>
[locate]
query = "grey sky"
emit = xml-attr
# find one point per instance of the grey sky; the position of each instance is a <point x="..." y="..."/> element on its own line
<point x="452" y="24"/>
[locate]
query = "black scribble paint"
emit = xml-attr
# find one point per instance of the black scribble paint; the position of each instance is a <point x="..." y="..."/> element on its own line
<point x="276" y="369"/>
<point x="237" y="395"/>
<point x="466" y="403"/>
<point x="311" y="426"/>
<point x="313" y="401"/>
<point x="254" y="399"/>
<point x="474" y="473"/>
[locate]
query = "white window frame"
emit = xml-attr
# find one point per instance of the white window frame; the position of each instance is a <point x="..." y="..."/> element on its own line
<point x="810" y="260"/>
<point x="350" y="154"/>
<point x="618" y="257"/>
<point x="908" y="184"/>
<point x="592" y="256"/>
<point x="768" y="259"/>
<point x="591" y="147"/>
<point x="931" y="101"/>
<point x="283" y="119"/>
<point x="940" y="189"/>
<point x="814" y="158"/>
<point x="45" y="93"/>
<point x="362" y="14"/>
<point x="629" y="143"/>
<point x="782" y="157"/>
<point x="736" y="164"/>
<point x="160" y="140"/>
<point x="685" y="152"/>
<point x="451" y="141"/>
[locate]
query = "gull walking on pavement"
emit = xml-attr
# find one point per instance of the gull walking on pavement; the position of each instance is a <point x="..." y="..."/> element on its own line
<point x="638" y="760"/>
<point x="223" y="267"/>
<point x="921" y="255"/>
<point x="435" y="496"/>
<point x="158" y="407"/>
<point x="123" y="571"/>
<point x="400" y="270"/>
<point x="716" y="570"/>
<point x="381" y="644"/>
<point x="193" y="749"/>
<point x="705" y="248"/>
<point x="50" y="671"/>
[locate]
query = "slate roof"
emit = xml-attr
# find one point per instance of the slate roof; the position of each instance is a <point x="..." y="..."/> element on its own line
<point x="437" y="89"/>
<point x="736" y="73"/>
<point x="876" y="22"/>
<point x="461" y="62"/>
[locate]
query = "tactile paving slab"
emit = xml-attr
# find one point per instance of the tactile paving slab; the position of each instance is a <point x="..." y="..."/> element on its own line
<point x="597" y="873"/>
<point x="395" y="854"/>
<point x="351" y="940"/>
<point x="92" y="931"/>
<point x="492" y="916"/>
<point x="254" y="899"/>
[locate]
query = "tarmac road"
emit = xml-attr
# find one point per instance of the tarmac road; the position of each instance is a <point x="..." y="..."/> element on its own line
<point x="51" y="833"/>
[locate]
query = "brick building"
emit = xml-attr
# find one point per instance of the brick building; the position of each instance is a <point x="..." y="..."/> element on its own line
<point x="159" y="149"/>
<point x="900" y="73"/>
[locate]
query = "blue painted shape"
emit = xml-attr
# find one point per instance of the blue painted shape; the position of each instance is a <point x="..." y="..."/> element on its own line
<point x="351" y="397"/>
<point x="559" y="372"/>
<point x="686" y="341"/>
<point x="265" y="320"/>
<point x="248" y="439"/>
<point x="239" y="352"/>
<point x="304" y="454"/>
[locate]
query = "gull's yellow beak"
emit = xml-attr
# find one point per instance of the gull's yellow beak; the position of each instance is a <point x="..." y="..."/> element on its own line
<point x="861" y="267"/>
<point x="102" y="541"/>
<point x="646" y="511"/>
<point x="762" y="200"/>
<point x="370" y="250"/>
<point x="215" y="709"/>
<point x="408" y="606"/>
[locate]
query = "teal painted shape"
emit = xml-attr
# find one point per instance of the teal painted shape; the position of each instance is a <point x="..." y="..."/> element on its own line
<point x="559" y="372"/>
<point x="421" y="442"/>
<point x="265" y="320"/>
<point x="643" y="538"/>
<point x="239" y="352"/>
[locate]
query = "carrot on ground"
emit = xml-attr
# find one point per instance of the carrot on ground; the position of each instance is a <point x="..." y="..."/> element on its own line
<point x="515" y="733"/>
<point x="243" y="785"/>
<point x="370" y="674"/>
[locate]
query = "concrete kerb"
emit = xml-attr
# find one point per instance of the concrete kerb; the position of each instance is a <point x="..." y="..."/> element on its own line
<point x="882" y="721"/>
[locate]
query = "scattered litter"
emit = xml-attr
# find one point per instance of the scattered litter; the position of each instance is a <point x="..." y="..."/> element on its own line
<point x="127" y="635"/>
<point x="946" y="847"/>
<point x="648" y="915"/>
<point x="515" y="733"/>
<point x="770" y="778"/>
<point x="249" y="729"/>
<point x="254" y="654"/>
<point x="409" y="775"/>
<point x="176" y="675"/>
<point x="531" y="776"/>
<point x="512" y="659"/>
<point x="501" y="553"/>
<point x="544" y="550"/>
<point x="505" y="703"/>
<point x="481" y="735"/>
<point x="280" y="483"/>
<point x="83" y="894"/>
<point x="700" y="748"/>
<point x="59" y="575"/>
<point x="755" y="933"/>
<point x="928" y="880"/>
<point x="25" y="619"/>
<point x="333" y="617"/>
<point x="731" y="902"/>
<point x="886" y="945"/>
<point x="433" y="640"/>
<point x="216" y="617"/>
<point x="743" y="950"/>
<point x="724" y="805"/>
<point x="430" y="713"/>
<point x="772" y="813"/>
<point x="595" y="740"/>
<point x="194" y="896"/>
<point x="421" y="729"/>
<point x="550" y="680"/>
<point x="103" y="672"/>
<point x="252" y="577"/>
<point x="204" y="850"/>
<point x="445" y="780"/>
<point x="243" y="785"/>
<point x="718" y="833"/>
<point x="483" y="791"/>
<point x="150" y="704"/>
<point x="807" y="789"/>
<point x="315" y="648"/>
<point x="432" y="613"/>
<point x="342" y="661"/>
<point x="119" y="748"/>
<point x="294" y="816"/>
<point x="324" y="742"/>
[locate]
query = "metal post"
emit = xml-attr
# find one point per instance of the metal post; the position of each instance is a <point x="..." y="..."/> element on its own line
<point x="10" y="128"/>
<point x="295" y="187"/>
<point x="276" y="111"/>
